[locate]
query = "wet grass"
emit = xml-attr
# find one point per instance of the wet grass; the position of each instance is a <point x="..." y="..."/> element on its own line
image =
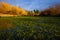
<point x="30" y="28"/>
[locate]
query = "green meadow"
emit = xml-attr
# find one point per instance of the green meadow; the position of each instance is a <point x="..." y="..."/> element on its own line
<point x="29" y="28"/>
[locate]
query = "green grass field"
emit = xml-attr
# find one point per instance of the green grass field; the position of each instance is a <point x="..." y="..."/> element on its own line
<point x="29" y="28"/>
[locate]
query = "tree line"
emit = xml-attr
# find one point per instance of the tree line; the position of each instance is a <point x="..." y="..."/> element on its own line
<point x="51" y="11"/>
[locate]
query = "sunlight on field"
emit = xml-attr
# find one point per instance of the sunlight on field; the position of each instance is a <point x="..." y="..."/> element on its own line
<point x="3" y="15"/>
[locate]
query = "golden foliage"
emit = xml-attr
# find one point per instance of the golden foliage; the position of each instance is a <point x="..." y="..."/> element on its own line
<point x="6" y="8"/>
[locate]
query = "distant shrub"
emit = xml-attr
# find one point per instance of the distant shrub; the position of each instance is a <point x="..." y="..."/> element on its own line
<point x="0" y="16"/>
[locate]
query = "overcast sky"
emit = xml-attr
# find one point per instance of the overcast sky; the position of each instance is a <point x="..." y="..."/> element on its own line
<point x="32" y="4"/>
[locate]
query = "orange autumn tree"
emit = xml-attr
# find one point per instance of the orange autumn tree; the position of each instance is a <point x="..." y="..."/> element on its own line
<point x="51" y="11"/>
